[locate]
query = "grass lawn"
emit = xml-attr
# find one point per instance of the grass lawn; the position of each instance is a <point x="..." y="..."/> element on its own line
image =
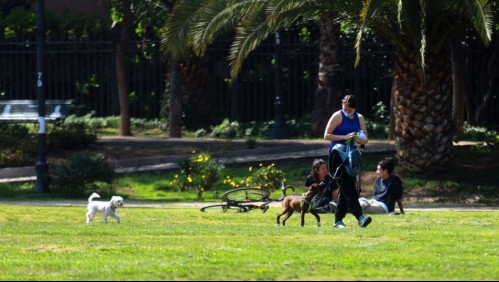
<point x="54" y="243"/>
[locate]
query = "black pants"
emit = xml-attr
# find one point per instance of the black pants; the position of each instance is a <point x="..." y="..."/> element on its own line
<point x="348" y="198"/>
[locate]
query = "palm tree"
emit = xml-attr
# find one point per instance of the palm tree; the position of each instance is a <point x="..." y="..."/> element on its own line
<point x="420" y="30"/>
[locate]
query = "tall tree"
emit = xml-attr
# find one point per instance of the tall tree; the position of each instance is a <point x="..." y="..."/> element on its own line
<point x="330" y="89"/>
<point x="123" y="33"/>
<point x="421" y="31"/>
<point x="458" y="87"/>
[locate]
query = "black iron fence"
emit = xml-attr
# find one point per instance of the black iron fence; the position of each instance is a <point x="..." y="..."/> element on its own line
<point x="85" y="72"/>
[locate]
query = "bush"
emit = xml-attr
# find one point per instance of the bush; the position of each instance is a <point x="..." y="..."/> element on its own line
<point x="379" y="124"/>
<point x="227" y="130"/>
<point x="265" y="177"/>
<point x="73" y="133"/>
<point x="476" y="133"/>
<point x="17" y="146"/>
<point x="80" y="175"/>
<point x="251" y="130"/>
<point x="199" y="172"/>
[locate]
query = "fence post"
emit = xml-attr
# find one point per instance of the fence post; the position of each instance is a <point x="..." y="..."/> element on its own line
<point x="279" y="131"/>
<point x="41" y="165"/>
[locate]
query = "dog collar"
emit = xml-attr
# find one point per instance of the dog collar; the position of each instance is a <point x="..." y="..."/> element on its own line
<point x="113" y="208"/>
<point x="305" y="201"/>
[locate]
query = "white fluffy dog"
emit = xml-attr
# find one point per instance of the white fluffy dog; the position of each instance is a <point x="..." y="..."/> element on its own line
<point x="106" y="208"/>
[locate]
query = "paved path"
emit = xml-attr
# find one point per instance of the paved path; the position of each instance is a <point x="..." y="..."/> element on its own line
<point x="268" y="150"/>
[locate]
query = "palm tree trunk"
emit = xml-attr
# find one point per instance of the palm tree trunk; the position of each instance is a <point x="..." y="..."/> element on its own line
<point x="423" y="126"/>
<point x="330" y="89"/>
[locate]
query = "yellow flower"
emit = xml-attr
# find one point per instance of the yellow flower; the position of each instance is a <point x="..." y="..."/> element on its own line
<point x="250" y="168"/>
<point x="189" y="178"/>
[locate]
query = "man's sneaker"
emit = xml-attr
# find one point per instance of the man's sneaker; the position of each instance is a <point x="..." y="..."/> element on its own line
<point x="265" y="208"/>
<point x="339" y="224"/>
<point x="364" y="221"/>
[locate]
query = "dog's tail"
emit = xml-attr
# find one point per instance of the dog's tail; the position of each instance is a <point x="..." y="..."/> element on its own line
<point x="284" y="191"/>
<point x="93" y="196"/>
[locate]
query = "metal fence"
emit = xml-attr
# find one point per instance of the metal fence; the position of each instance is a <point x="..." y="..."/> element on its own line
<point x="82" y="71"/>
<point x="85" y="72"/>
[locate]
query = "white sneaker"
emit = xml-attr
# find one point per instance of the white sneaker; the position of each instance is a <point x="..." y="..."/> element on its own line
<point x="339" y="224"/>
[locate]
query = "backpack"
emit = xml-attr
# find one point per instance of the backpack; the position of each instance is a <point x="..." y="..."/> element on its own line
<point x="351" y="157"/>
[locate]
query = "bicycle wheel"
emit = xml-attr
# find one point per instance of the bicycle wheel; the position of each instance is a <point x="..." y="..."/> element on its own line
<point x="223" y="208"/>
<point x="246" y="195"/>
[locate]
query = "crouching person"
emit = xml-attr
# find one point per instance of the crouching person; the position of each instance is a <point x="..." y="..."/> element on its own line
<point x="387" y="191"/>
<point x="320" y="173"/>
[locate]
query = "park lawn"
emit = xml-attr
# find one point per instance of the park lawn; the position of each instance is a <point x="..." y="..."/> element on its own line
<point x="55" y="243"/>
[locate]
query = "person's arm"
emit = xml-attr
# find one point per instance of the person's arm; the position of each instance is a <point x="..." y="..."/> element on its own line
<point x="363" y="126"/>
<point x="401" y="206"/>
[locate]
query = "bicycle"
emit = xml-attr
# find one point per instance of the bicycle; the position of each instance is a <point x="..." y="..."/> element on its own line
<point x="244" y="200"/>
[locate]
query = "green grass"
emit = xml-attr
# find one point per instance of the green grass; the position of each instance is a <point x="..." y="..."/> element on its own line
<point x="54" y="243"/>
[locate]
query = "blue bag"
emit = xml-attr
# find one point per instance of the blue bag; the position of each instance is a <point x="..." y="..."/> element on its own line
<point x="351" y="157"/>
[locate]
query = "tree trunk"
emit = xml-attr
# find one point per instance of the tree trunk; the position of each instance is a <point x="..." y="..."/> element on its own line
<point x="330" y="88"/>
<point x="423" y="126"/>
<point x="121" y="71"/>
<point x="175" y="101"/>
<point x="391" y="126"/>
<point x="492" y="72"/>
<point x="458" y="88"/>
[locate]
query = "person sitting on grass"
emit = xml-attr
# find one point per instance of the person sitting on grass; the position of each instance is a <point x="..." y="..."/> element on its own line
<point x="319" y="173"/>
<point x="387" y="191"/>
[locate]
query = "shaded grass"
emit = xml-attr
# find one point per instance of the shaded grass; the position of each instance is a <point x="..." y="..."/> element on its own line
<point x="54" y="243"/>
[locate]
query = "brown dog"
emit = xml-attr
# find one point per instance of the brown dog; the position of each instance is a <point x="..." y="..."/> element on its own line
<point x="300" y="204"/>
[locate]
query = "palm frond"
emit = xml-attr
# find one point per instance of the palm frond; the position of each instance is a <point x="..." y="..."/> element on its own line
<point x="176" y="41"/>
<point x="368" y="13"/>
<point x="255" y="27"/>
<point x="216" y="16"/>
<point x="480" y="15"/>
